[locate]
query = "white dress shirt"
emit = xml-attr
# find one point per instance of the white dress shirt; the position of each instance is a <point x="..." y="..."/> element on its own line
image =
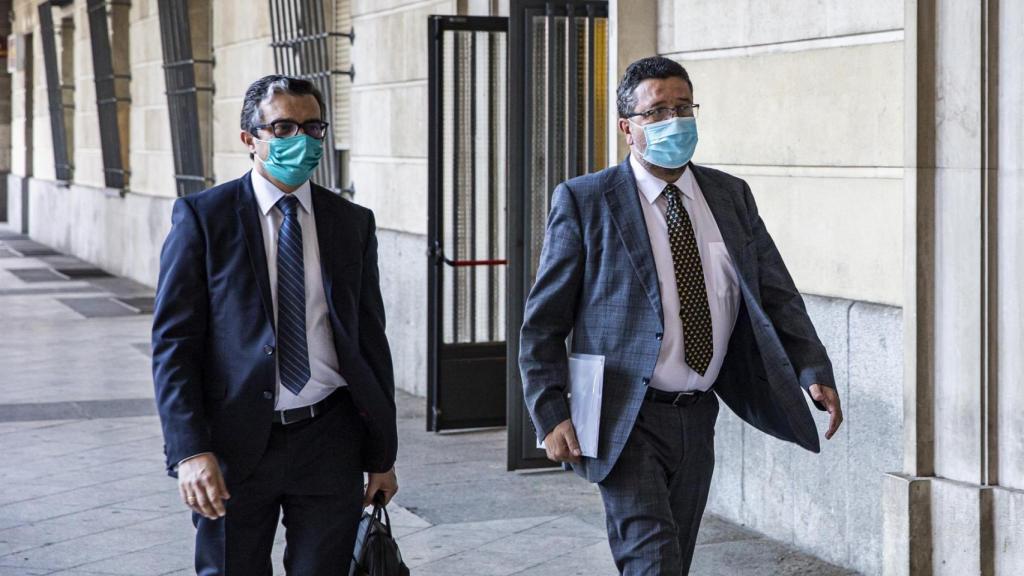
<point x="323" y="359"/>
<point x="671" y="372"/>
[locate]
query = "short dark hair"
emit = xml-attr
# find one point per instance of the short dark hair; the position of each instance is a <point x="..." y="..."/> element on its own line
<point x="267" y="86"/>
<point x="642" y="69"/>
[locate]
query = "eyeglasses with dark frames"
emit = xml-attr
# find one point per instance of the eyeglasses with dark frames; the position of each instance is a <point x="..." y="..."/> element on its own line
<point x="286" y="128"/>
<point x="664" y="113"/>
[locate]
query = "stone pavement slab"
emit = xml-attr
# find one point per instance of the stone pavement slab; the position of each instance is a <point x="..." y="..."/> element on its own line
<point x="83" y="491"/>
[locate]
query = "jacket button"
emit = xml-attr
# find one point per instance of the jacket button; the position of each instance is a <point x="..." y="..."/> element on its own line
<point x="659" y="335"/>
<point x="268" y="350"/>
<point x="268" y="395"/>
<point x="646" y="381"/>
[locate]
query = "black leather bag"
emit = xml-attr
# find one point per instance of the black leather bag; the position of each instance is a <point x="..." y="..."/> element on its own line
<point x="376" y="552"/>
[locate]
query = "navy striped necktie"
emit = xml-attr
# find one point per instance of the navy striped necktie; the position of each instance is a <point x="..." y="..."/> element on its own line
<point x="293" y="355"/>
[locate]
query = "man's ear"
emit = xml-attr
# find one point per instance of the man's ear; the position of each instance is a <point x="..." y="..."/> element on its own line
<point x="246" y="138"/>
<point x="624" y="128"/>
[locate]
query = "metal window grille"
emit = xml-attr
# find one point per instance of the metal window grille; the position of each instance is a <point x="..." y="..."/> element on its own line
<point x="61" y="146"/>
<point x="300" y="40"/>
<point x="566" y="64"/>
<point x="183" y="96"/>
<point x="107" y="98"/>
<point x="558" y="104"/>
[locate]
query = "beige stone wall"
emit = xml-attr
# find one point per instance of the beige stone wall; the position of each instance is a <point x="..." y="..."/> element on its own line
<point x="389" y="99"/>
<point x="389" y="162"/>
<point x="241" y="48"/>
<point x="124" y="234"/>
<point x="87" y="158"/>
<point x="19" y="120"/>
<point x="804" y="101"/>
<point x="41" y="156"/>
<point x="152" y="162"/>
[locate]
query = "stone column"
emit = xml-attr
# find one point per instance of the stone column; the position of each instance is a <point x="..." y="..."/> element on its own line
<point x="5" y="111"/>
<point x="632" y="34"/>
<point x="957" y="506"/>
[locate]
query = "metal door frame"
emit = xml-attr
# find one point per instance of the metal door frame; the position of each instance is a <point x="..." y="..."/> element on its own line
<point x="437" y="26"/>
<point x="522" y="452"/>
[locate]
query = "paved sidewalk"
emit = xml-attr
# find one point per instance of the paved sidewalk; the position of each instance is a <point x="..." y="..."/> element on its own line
<point x="82" y="488"/>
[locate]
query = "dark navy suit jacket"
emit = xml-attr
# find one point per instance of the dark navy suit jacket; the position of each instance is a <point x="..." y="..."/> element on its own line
<point x="214" y="348"/>
<point x="597" y="279"/>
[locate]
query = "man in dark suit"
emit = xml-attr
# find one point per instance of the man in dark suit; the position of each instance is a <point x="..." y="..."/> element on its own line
<point x="666" y="269"/>
<point x="272" y="371"/>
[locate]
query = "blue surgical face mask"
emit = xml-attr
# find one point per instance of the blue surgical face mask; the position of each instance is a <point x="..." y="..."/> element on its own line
<point x="670" y="143"/>
<point x="293" y="159"/>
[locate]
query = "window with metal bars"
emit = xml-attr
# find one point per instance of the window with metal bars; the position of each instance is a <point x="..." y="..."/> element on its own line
<point x="55" y="97"/>
<point x="108" y="38"/>
<point x="188" y="71"/>
<point x="306" y="45"/>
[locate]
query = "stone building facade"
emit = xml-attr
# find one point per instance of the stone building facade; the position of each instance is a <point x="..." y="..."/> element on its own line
<point x="884" y="143"/>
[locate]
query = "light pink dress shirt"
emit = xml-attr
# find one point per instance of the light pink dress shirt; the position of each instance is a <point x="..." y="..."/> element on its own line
<point x="671" y="373"/>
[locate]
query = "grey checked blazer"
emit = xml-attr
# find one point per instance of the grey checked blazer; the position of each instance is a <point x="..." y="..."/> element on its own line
<point x="597" y="280"/>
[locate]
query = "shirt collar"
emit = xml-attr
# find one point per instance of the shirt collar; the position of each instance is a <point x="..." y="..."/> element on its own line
<point x="651" y="186"/>
<point x="267" y="194"/>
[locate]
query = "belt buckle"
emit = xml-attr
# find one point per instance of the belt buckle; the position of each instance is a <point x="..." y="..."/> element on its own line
<point x="284" y="418"/>
<point x="679" y="397"/>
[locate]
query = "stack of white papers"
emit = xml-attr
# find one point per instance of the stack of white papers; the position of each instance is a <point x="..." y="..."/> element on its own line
<point x="586" y="385"/>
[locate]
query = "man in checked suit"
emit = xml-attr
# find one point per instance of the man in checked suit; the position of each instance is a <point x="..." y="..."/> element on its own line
<point x="272" y="371"/>
<point x="666" y="269"/>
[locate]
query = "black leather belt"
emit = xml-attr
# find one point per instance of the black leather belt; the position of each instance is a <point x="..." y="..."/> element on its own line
<point x="293" y="415"/>
<point x="674" y="398"/>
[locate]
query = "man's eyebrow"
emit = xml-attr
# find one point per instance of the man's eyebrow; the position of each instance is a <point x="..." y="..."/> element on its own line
<point x="661" y="102"/>
<point x="289" y="119"/>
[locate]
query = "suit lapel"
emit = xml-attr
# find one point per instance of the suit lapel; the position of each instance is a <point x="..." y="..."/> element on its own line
<point x="326" y="221"/>
<point x="249" y="215"/>
<point x="721" y="206"/>
<point x="626" y="213"/>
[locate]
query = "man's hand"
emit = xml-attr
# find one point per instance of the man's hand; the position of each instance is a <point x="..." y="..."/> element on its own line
<point x="561" y="444"/>
<point x="202" y="485"/>
<point x="386" y="482"/>
<point x="828" y="398"/>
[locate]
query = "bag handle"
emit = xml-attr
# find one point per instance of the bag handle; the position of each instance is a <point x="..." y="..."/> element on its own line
<point x="380" y="511"/>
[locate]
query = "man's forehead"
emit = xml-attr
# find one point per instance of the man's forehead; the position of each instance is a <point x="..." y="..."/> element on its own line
<point x="292" y="104"/>
<point x="663" y="89"/>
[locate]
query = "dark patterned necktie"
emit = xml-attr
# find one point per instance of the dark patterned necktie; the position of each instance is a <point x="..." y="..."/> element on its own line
<point x="693" y="294"/>
<point x="293" y="356"/>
